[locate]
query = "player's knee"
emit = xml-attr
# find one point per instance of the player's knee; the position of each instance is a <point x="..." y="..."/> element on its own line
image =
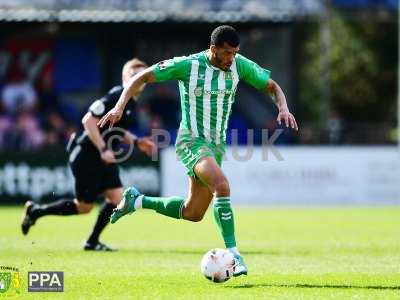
<point x="114" y="196"/>
<point x="114" y="200"/>
<point x="222" y="188"/>
<point x="84" y="208"/>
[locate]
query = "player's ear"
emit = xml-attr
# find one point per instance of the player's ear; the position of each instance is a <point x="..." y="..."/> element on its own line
<point x="213" y="49"/>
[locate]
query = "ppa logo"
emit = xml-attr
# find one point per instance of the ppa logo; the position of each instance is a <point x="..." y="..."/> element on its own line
<point x="45" y="281"/>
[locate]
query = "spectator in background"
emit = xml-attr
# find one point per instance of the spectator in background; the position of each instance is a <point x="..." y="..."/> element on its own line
<point x="5" y="125"/>
<point x="20" y="129"/>
<point x="31" y="120"/>
<point x="25" y="135"/>
<point x="48" y="98"/>
<point x="57" y="129"/>
<point x="308" y="135"/>
<point x="334" y="127"/>
<point x="18" y="95"/>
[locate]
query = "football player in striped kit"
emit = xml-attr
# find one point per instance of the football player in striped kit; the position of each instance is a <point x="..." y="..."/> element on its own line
<point x="207" y="82"/>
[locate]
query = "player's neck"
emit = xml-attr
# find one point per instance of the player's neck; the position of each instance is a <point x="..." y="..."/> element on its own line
<point x="211" y="58"/>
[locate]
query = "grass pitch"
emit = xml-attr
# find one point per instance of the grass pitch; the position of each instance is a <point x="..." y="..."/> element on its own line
<point x="349" y="253"/>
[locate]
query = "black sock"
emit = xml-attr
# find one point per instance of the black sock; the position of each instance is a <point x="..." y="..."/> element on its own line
<point x="102" y="220"/>
<point x="62" y="207"/>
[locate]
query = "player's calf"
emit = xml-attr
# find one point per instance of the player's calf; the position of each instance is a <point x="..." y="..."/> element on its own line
<point x="33" y="212"/>
<point x="192" y="214"/>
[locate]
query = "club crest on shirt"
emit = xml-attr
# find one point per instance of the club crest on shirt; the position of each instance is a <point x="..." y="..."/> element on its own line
<point x="198" y="92"/>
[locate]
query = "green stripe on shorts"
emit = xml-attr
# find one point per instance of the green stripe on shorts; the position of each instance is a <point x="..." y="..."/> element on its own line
<point x="191" y="149"/>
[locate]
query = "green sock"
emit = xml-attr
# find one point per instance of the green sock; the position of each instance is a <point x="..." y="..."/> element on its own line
<point x="223" y="215"/>
<point x="167" y="206"/>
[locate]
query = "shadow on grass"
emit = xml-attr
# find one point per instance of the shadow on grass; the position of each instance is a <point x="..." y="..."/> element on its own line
<point x="177" y="251"/>
<point x="316" y="286"/>
<point x="203" y="252"/>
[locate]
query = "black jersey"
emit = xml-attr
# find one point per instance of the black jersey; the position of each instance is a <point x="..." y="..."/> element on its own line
<point x="98" y="109"/>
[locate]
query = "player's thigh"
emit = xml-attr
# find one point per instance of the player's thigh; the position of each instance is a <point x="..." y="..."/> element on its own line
<point x="114" y="195"/>
<point x="198" y="200"/>
<point x="210" y="173"/>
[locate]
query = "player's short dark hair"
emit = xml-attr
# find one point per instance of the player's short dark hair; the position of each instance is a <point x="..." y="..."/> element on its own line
<point x="225" y="34"/>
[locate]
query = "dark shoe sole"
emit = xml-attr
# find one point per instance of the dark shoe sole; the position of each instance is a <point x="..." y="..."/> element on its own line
<point x="88" y="247"/>
<point x="240" y="274"/>
<point x="25" y="228"/>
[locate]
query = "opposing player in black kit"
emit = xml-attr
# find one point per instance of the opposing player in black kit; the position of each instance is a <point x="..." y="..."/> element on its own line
<point x="93" y="164"/>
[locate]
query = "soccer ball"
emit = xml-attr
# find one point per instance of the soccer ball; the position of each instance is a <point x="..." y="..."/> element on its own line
<point x="218" y="265"/>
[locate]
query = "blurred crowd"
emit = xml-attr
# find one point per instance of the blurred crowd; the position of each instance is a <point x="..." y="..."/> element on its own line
<point x="31" y="119"/>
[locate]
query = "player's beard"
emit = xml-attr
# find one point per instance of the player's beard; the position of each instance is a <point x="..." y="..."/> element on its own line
<point x="219" y="62"/>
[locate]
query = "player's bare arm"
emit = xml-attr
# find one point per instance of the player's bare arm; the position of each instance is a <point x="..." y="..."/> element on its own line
<point x="145" y="144"/>
<point x="133" y="86"/>
<point x="277" y="95"/>
<point x="89" y="122"/>
<point x="129" y="138"/>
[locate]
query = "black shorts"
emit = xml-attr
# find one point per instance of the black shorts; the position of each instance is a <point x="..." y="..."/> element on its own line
<point x="92" y="175"/>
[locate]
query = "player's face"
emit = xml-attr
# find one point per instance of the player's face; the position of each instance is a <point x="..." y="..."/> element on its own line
<point x="224" y="55"/>
<point x="130" y="73"/>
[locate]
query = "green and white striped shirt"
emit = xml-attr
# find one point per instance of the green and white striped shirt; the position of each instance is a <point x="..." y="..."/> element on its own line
<point x="207" y="92"/>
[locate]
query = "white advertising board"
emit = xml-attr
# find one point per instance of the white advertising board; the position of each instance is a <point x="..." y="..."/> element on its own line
<point x="306" y="176"/>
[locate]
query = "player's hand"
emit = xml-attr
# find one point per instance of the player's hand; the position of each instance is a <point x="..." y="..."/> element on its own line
<point x="146" y="145"/>
<point x="113" y="116"/>
<point x="287" y="117"/>
<point x="108" y="157"/>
